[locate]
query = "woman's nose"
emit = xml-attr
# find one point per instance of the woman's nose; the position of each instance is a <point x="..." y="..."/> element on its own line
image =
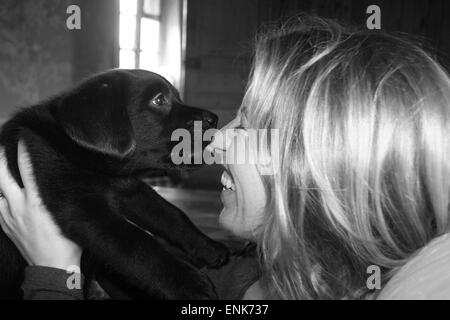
<point x="222" y="138"/>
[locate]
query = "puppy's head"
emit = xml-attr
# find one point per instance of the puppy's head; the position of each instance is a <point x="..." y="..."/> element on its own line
<point x="129" y="117"/>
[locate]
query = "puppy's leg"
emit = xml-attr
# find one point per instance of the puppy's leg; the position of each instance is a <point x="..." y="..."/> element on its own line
<point x="145" y="207"/>
<point x="137" y="257"/>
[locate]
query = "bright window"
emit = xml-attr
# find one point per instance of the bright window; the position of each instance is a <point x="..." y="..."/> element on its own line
<point x="139" y="34"/>
<point x="152" y="37"/>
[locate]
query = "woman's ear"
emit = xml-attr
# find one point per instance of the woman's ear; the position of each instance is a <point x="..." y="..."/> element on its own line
<point x="95" y="117"/>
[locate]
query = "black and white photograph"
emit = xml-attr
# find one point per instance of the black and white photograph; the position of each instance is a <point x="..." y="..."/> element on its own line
<point x="214" y="151"/>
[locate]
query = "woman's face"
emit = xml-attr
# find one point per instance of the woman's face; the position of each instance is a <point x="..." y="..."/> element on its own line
<point x="243" y="195"/>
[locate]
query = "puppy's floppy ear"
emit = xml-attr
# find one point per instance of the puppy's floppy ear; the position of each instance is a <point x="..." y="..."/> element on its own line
<point x="95" y="117"/>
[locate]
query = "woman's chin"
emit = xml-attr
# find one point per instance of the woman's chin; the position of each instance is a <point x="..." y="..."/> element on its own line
<point x="229" y="220"/>
<point x="228" y="215"/>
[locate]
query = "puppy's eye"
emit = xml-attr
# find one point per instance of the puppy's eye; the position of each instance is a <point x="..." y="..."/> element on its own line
<point x="159" y="100"/>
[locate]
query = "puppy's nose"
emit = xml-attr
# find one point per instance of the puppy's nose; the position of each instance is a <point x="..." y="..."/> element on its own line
<point x="210" y="118"/>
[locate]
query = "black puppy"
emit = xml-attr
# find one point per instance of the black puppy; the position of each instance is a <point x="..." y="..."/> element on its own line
<point x="89" y="148"/>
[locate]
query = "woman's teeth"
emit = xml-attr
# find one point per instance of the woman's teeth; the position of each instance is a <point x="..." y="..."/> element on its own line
<point x="227" y="181"/>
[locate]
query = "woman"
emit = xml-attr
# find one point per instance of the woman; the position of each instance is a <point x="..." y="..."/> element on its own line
<point x="361" y="176"/>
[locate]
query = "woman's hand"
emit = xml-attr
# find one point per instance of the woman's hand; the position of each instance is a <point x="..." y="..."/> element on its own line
<point x="26" y="221"/>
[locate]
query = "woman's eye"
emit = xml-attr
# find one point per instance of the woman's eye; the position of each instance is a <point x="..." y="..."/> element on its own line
<point x="159" y="100"/>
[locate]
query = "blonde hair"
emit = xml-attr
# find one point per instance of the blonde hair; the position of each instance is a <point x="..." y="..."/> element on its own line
<point x="364" y="155"/>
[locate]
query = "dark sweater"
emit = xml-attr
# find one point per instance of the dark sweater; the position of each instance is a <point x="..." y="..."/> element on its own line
<point x="231" y="281"/>
<point x="44" y="283"/>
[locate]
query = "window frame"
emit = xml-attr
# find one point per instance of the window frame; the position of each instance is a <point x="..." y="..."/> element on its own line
<point x="140" y="14"/>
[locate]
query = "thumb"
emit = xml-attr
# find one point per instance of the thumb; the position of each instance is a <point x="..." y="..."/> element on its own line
<point x="26" y="169"/>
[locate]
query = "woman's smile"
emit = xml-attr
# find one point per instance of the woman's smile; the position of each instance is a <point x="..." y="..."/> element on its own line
<point x="228" y="194"/>
<point x="227" y="181"/>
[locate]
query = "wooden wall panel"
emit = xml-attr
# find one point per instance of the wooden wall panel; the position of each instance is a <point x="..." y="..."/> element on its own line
<point x="220" y="34"/>
<point x="425" y="19"/>
<point x="218" y="53"/>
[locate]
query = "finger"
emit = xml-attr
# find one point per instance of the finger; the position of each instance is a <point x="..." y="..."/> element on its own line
<point x="26" y="169"/>
<point x="8" y="186"/>
<point x="6" y="224"/>
<point x="5" y="215"/>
